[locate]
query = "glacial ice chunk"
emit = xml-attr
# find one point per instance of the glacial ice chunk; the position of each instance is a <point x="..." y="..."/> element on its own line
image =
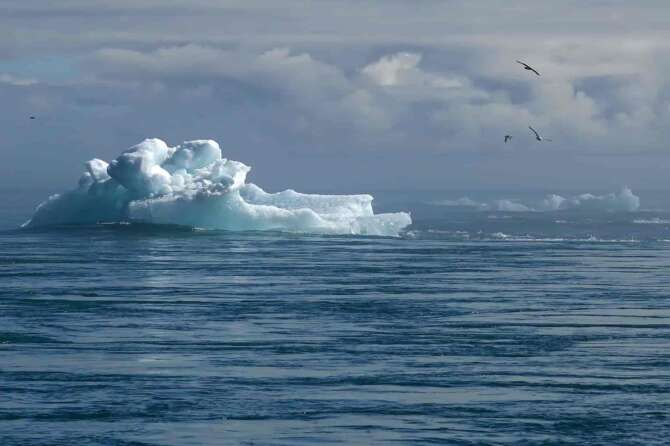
<point x="139" y="169"/>
<point x="192" y="184"/>
<point x="623" y="201"/>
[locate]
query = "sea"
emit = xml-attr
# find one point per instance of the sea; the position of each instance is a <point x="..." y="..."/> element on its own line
<point x="474" y="327"/>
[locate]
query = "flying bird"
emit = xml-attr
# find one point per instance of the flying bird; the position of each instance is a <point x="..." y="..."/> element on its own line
<point x="528" y="67"/>
<point x="508" y="138"/>
<point x="537" y="135"/>
<point x="32" y="117"/>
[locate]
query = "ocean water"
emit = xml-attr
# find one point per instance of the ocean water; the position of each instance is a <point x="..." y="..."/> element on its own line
<point x="472" y="328"/>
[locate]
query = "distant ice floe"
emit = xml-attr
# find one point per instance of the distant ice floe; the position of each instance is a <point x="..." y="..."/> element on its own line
<point x="192" y="184"/>
<point x="651" y="221"/>
<point x="625" y="200"/>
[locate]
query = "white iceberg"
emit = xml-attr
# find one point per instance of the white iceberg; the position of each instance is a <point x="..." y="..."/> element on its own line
<point x="192" y="184"/>
<point x="624" y="201"/>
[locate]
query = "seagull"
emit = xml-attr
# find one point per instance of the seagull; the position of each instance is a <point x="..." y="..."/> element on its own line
<point x="32" y="117"/>
<point x="528" y="67"/>
<point x="537" y="135"/>
<point x="508" y="138"/>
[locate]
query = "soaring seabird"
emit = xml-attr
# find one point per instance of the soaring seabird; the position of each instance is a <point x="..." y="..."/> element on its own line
<point x="537" y="135"/>
<point x="507" y="138"/>
<point x="528" y="67"/>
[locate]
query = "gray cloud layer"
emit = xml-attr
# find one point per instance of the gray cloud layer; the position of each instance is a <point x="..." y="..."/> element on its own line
<point x="301" y="84"/>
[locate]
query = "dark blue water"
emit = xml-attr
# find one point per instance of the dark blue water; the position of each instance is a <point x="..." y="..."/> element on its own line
<point x="473" y="328"/>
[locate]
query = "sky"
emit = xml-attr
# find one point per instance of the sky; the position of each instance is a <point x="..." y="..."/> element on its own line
<point x="344" y="95"/>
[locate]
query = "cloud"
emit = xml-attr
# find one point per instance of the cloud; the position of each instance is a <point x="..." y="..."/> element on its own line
<point x="427" y="79"/>
<point x="319" y="92"/>
<point x="402" y="98"/>
<point x="383" y="103"/>
<point x="402" y="69"/>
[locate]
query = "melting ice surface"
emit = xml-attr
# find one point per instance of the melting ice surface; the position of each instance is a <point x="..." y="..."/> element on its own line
<point x="192" y="184"/>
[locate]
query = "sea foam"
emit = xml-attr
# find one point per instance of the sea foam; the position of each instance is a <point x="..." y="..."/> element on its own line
<point x="192" y="184"/>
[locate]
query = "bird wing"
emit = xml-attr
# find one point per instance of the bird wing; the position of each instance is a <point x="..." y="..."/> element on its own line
<point x="528" y="67"/>
<point x="534" y="131"/>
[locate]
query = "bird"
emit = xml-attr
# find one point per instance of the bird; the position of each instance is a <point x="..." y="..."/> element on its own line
<point x="528" y="67"/>
<point x="537" y="135"/>
<point x="32" y="117"/>
<point x="508" y="138"/>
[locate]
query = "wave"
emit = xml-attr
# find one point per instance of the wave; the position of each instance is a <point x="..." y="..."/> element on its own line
<point x="480" y="236"/>
<point x="624" y="201"/>
<point x="193" y="185"/>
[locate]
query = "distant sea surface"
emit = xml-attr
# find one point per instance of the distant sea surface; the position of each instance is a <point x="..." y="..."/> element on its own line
<point x="474" y="327"/>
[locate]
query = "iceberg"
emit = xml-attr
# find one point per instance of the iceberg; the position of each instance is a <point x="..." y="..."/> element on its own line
<point x="192" y="184"/>
<point x="624" y="201"/>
